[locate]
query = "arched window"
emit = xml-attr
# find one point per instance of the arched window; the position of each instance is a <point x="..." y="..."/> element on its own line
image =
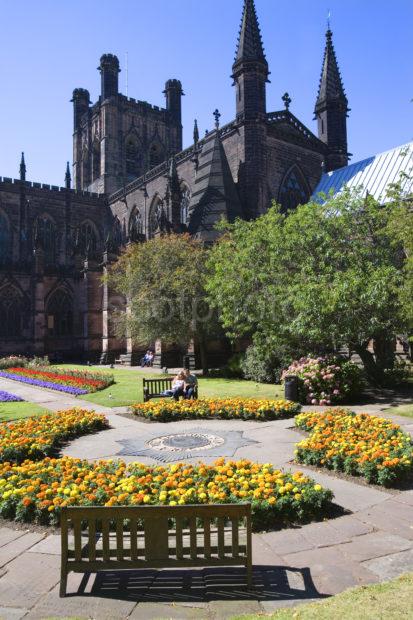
<point x="5" y="240"/>
<point x="294" y="190"/>
<point x="156" y="216"/>
<point x="135" y="225"/>
<point x="87" y="239"/>
<point x="96" y="161"/>
<point x="186" y="197"/>
<point x="59" y="313"/>
<point x="133" y="157"/>
<point x="11" y="313"/>
<point x="156" y="155"/>
<point x="45" y="236"/>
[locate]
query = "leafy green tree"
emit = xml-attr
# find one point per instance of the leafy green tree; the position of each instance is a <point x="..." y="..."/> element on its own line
<point x="401" y="230"/>
<point x="326" y="275"/>
<point x="163" y="281"/>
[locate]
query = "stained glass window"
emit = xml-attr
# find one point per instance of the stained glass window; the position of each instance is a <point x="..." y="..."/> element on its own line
<point x="60" y="314"/>
<point x="45" y="235"/>
<point x="293" y="190"/>
<point x="11" y="313"/>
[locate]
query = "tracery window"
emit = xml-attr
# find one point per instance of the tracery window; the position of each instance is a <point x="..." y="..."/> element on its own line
<point x="11" y="313"/>
<point x="60" y="314"/>
<point x="186" y="197"/>
<point x="156" y="155"/>
<point x="156" y="217"/>
<point x="45" y="235"/>
<point x="87" y="239"/>
<point x="5" y="240"/>
<point x="294" y="190"/>
<point x="133" y="157"/>
<point x="135" y="225"/>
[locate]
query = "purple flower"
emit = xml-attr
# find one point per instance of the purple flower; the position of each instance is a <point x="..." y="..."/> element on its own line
<point x="7" y="397"/>
<point x="45" y="384"/>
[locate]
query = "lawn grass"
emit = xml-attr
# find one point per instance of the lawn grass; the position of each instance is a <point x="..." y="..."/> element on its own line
<point x="16" y="411"/>
<point x="391" y="600"/>
<point x="406" y="410"/>
<point x="128" y="387"/>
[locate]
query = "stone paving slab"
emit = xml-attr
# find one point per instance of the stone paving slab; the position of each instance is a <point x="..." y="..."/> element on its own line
<point x="331" y="572"/>
<point x="392" y="565"/>
<point x="18" y="546"/>
<point x="376" y="517"/>
<point x="374" y="545"/>
<point x="28" y="578"/>
<point x="12" y="613"/>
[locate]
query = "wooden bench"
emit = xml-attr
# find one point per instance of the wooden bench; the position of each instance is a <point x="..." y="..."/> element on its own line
<point x="133" y="537"/>
<point x="154" y="388"/>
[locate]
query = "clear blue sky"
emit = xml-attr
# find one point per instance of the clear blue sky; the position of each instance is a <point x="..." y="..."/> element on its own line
<point x="47" y="48"/>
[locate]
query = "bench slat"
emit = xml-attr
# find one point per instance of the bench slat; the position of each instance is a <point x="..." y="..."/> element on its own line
<point x="178" y="538"/>
<point x="235" y="537"/>
<point x="77" y="531"/>
<point x="92" y="539"/>
<point x="207" y="537"/>
<point x="192" y="535"/>
<point x="105" y="540"/>
<point x="119" y="539"/>
<point x="221" y="537"/>
<point x="133" y="539"/>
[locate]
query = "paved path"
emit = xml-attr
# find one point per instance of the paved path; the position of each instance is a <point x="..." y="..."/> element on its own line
<point x="373" y="543"/>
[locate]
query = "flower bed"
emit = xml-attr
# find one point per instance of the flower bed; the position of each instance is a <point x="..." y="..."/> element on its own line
<point x="38" y="491"/>
<point x="7" y="397"/>
<point x="326" y="380"/>
<point x="38" y="437"/>
<point x="357" y="444"/>
<point x="72" y="382"/>
<point x="167" y="410"/>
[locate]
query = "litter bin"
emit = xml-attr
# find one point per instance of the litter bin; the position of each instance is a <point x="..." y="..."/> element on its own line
<point x="291" y="388"/>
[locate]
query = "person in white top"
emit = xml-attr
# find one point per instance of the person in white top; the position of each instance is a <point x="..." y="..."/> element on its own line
<point x="178" y="386"/>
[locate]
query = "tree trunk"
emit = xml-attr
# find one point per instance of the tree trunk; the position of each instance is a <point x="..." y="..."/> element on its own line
<point x="385" y="351"/>
<point x="374" y="372"/>
<point x="203" y="354"/>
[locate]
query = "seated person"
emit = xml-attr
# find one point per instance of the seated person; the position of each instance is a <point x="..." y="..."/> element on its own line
<point x="145" y="361"/>
<point x="150" y="358"/>
<point x="178" y="386"/>
<point x="191" y="382"/>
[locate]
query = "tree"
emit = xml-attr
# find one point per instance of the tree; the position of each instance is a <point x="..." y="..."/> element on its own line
<point x="325" y="275"/>
<point x="401" y="230"/>
<point x="163" y="281"/>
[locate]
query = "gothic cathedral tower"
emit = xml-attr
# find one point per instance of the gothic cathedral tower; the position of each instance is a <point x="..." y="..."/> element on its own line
<point x="250" y="74"/>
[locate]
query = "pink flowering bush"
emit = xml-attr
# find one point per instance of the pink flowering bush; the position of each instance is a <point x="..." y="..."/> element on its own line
<point x="326" y="380"/>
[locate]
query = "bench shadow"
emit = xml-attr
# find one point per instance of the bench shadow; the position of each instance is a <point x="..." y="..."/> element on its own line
<point x="270" y="583"/>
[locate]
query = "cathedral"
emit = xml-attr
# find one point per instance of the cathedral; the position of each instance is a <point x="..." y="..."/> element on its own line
<point x="132" y="180"/>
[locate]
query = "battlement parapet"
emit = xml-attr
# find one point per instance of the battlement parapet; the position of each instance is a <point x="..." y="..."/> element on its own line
<point x="17" y="184"/>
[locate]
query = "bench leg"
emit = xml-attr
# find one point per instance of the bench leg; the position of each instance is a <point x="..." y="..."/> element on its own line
<point x="63" y="585"/>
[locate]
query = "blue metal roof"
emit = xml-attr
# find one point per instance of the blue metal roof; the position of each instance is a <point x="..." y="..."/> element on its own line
<point x="372" y="175"/>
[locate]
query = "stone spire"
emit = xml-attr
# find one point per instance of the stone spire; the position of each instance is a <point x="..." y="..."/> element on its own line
<point x="68" y="178"/>
<point x="249" y="41"/>
<point x="331" y="86"/>
<point x="250" y="68"/>
<point x="331" y="109"/>
<point x="196" y="132"/>
<point x="22" y="168"/>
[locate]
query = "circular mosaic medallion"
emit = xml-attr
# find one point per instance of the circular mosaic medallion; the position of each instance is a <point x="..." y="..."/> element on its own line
<point x="183" y="442"/>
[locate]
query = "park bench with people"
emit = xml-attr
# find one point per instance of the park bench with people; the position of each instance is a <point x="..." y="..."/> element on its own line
<point x="140" y="537"/>
<point x="159" y="388"/>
